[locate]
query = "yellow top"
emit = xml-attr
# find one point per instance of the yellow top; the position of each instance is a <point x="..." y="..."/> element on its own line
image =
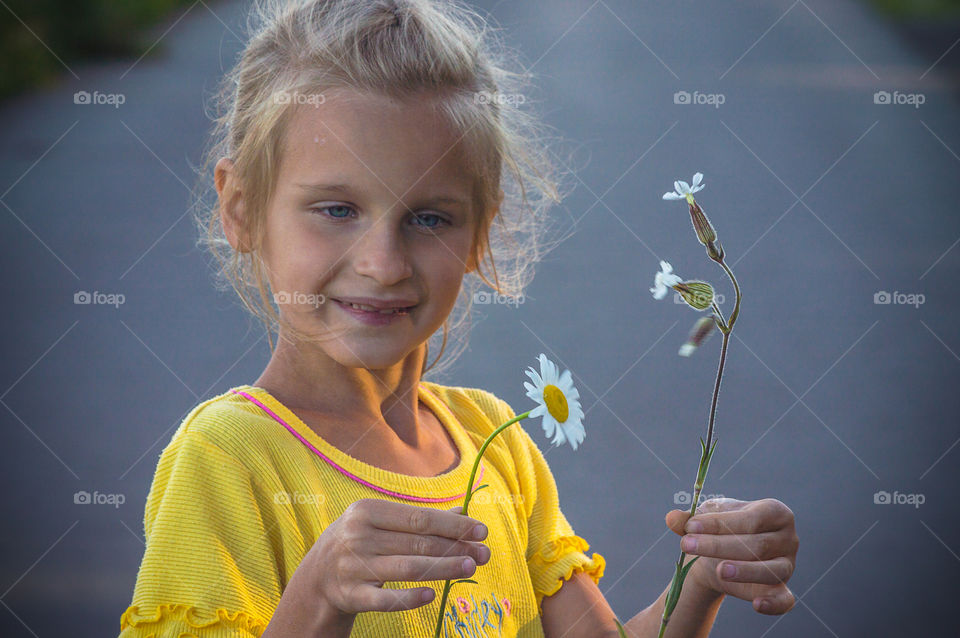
<point x="245" y="488"/>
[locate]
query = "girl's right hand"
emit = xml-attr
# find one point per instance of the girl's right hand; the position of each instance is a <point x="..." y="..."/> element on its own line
<point x="375" y="541"/>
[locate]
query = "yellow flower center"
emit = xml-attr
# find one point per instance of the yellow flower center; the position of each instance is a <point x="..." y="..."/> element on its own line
<point x="556" y="403"/>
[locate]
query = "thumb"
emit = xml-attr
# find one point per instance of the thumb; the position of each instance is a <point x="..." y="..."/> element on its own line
<point x="676" y="520"/>
<point x="457" y="509"/>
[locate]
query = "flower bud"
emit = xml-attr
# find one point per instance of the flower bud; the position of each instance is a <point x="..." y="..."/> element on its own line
<point x="701" y="224"/>
<point x="715" y="251"/>
<point x="698" y="334"/>
<point x="697" y="294"/>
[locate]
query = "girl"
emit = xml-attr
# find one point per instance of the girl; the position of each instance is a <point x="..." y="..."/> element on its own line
<point x="369" y="169"/>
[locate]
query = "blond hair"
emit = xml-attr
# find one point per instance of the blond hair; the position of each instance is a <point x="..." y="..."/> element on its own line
<point x="396" y="48"/>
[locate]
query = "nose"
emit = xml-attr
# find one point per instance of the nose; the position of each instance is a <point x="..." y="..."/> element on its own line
<point x="381" y="254"/>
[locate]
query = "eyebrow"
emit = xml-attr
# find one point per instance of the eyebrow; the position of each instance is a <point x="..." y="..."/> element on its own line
<point x="344" y="189"/>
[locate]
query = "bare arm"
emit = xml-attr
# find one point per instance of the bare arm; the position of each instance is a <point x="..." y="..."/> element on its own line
<point x="579" y="610"/>
<point x="303" y="613"/>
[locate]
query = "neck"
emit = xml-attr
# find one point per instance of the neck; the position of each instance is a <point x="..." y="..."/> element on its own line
<point x="302" y="376"/>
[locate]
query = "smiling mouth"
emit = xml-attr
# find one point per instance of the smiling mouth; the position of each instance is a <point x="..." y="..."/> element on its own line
<point x="374" y="311"/>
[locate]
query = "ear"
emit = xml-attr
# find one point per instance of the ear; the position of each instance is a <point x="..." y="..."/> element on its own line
<point x="230" y="204"/>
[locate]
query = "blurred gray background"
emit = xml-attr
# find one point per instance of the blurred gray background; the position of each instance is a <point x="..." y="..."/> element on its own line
<point x="824" y="194"/>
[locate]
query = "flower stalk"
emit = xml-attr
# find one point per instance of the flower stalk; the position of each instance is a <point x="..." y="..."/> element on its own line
<point x="559" y="405"/>
<point x="708" y="237"/>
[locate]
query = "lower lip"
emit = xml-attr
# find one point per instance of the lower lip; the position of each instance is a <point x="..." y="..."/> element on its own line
<point x="372" y="318"/>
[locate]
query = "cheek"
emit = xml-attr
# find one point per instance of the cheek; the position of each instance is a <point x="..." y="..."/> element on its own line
<point x="298" y="251"/>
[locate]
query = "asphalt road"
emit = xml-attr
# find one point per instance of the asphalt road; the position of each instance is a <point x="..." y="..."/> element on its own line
<point x="825" y="195"/>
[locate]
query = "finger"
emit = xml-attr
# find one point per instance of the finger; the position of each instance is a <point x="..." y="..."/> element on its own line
<point x="766" y="572"/>
<point x="422" y="568"/>
<point x="737" y="546"/>
<point x="779" y="601"/>
<point x="753" y="517"/>
<point x="399" y="517"/>
<point x="371" y="598"/>
<point x="400" y="543"/>
<point x="676" y="519"/>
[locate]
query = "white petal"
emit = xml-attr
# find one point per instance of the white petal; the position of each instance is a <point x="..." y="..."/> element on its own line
<point x="684" y="188"/>
<point x="659" y="292"/>
<point x="670" y="280"/>
<point x="698" y="188"/>
<point x="697" y="178"/>
<point x="676" y="187"/>
<point x="666" y="267"/>
<point x="537" y="380"/>
<point x="672" y="196"/>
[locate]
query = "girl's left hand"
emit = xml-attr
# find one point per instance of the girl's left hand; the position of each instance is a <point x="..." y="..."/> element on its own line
<point x="756" y="538"/>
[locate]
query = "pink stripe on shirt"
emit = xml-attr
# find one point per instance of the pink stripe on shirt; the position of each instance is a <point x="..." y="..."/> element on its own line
<point x="349" y="475"/>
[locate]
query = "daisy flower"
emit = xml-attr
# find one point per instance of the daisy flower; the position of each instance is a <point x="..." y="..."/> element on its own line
<point x="683" y="189"/>
<point x="559" y="403"/>
<point x="663" y="280"/>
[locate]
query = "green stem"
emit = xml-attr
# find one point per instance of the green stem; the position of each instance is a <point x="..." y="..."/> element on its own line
<point x="466" y="502"/>
<point x="736" y="287"/>
<point x="701" y="472"/>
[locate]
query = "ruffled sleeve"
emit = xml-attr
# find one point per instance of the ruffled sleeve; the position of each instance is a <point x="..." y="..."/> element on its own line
<point x="210" y="568"/>
<point x="554" y="552"/>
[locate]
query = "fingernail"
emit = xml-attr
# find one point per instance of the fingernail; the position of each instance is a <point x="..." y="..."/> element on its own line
<point x="427" y="595"/>
<point x="480" y="532"/>
<point x="689" y="544"/>
<point x="763" y="605"/>
<point x="467" y="565"/>
<point x="729" y="571"/>
<point x="694" y="527"/>
<point x="485" y="553"/>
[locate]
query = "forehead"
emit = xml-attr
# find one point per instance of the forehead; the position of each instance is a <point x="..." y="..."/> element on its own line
<point x="374" y="140"/>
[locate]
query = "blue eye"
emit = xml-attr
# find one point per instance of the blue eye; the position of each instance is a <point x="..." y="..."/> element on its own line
<point x="336" y="207"/>
<point x="431" y="216"/>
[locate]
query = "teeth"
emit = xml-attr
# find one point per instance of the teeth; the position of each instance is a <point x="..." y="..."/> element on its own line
<point x="372" y="309"/>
